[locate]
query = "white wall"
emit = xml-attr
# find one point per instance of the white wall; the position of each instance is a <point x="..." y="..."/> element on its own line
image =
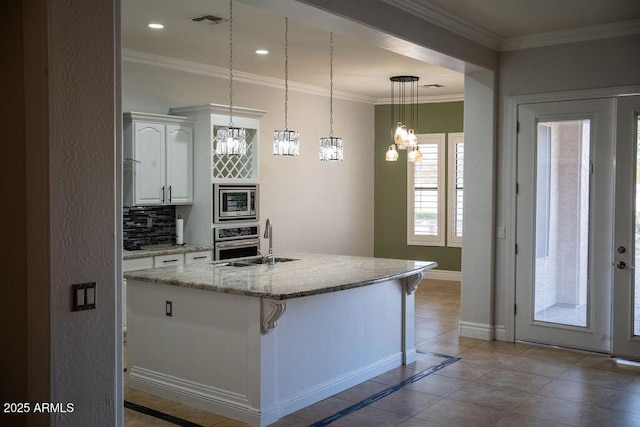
<point x="592" y="65"/>
<point x="314" y="206"/>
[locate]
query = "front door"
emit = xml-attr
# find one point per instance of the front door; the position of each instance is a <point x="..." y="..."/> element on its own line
<point x="565" y="216"/>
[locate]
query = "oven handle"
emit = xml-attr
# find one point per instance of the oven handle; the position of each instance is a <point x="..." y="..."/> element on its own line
<point x="238" y="244"/>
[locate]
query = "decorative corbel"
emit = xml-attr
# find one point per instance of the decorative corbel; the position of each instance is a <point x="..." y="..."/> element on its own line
<point x="271" y="311"/>
<point x="412" y="282"/>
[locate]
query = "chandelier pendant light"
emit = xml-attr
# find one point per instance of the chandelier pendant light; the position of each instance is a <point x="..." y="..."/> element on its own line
<point x="286" y="142"/>
<point x="404" y="115"/>
<point x="331" y="146"/>
<point x="231" y="140"/>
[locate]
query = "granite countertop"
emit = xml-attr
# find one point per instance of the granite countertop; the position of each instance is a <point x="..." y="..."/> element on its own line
<point x="153" y="250"/>
<point x="309" y="274"/>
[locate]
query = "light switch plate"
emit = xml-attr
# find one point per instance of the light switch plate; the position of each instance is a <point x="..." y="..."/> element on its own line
<point x="83" y="296"/>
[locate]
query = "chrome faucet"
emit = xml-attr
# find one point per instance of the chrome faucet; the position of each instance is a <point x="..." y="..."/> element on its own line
<point x="268" y="233"/>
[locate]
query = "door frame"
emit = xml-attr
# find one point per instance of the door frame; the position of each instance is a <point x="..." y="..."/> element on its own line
<point x="507" y="249"/>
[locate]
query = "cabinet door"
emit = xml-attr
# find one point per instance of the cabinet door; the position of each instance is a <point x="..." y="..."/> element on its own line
<point x="179" y="164"/>
<point x="150" y="172"/>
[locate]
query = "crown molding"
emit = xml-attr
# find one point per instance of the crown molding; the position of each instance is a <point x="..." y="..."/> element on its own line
<point x="223" y="73"/>
<point x="447" y="20"/>
<point x="436" y="15"/>
<point x="429" y="99"/>
<point x="574" y="35"/>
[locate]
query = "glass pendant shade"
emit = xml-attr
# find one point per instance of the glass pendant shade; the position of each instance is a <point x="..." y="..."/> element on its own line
<point x="330" y="149"/>
<point x="412" y="139"/>
<point x="414" y="155"/>
<point x="400" y="136"/>
<point x="286" y="143"/>
<point x="231" y="141"/>
<point x="392" y="154"/>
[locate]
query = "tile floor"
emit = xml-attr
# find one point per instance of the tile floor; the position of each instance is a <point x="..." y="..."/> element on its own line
<point x="494" y="384"/>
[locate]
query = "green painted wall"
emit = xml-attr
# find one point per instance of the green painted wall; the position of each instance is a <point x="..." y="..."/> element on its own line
<point x="390" y="223"/>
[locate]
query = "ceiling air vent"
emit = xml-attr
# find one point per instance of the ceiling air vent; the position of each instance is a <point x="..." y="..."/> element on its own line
<point x="209" y="19"/>
<point x="433" y="85"/>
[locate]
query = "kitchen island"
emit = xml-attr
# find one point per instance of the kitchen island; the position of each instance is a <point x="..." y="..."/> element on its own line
<point x="255" y="342"/>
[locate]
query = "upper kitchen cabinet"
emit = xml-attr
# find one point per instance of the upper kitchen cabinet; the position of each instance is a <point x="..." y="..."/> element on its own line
<point x="223" y="168"/>
<point x="158" y="166"/>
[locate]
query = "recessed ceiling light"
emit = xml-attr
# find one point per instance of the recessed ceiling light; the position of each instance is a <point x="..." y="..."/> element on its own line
<point x="262" y="51"/>
<point x="156" y="26"/>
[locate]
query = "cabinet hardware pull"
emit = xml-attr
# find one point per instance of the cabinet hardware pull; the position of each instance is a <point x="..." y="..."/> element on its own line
<point x="169" y="194"/>
<point x="200" y="257"/>
<point x="171" y="260"/>
<point x="163" y="194"/>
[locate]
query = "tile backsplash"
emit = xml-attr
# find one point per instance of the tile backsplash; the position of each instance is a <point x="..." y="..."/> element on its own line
<point x="136" y="230"/>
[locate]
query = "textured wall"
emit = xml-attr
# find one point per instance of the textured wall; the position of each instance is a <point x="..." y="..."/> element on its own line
<point x="84" y="245"/>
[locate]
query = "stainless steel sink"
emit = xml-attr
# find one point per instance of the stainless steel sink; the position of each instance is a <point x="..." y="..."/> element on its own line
<point x="252" y="261"/>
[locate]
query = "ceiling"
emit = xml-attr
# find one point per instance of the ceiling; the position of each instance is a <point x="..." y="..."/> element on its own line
<point x="359" y="68"/>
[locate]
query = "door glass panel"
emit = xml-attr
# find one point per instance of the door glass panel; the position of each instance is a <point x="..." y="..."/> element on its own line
<point x="636" y="311"/>
<point x="562" y="222"/>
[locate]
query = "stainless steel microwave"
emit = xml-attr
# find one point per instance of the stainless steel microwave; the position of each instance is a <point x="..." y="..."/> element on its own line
<point x="235" y="202"/>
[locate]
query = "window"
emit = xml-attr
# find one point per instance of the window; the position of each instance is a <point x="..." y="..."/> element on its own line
<point x="543" y="189"/>
<point x="456" y="189"/>
<point x="426" y="194"/>
<point x="428" y="182"/>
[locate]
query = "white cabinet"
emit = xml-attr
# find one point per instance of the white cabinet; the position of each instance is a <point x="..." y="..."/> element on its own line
<point x="209" y="168"/>
<point x="158" y="166"/>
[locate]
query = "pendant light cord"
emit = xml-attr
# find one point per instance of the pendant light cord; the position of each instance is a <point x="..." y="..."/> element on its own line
<point x="230" y="63"/>
<point x="331" y="87"/>
<point x="286" y="72"/>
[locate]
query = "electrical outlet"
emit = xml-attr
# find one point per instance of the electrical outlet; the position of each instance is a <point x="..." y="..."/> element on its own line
<point x="169" y="308"/>
<point x="149" y="222"/>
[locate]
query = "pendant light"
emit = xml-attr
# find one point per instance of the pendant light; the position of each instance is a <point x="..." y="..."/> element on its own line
<point x="231" y="140"/>
<point x="286" y="142"/>
<point x="331" y="146"/>
<point x="404" y="94"/>
<point x="392" y="154"/>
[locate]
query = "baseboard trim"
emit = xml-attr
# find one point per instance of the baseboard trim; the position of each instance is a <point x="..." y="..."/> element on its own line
<point x="201" y="396"/>
<point x="453" y="276"/>
<point x="500" y="333"/>
<point x="238" y="407"/>
<point x="344" y="382"/>
<point x="478" y="331"/>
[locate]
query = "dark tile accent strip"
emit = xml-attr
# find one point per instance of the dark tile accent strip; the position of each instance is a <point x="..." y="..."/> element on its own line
<point x="134" y="225"/>
<point x="160" y="415"/>
<point x="387" y="391"/>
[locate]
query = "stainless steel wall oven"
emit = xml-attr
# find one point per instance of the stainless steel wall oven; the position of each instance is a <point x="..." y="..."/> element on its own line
<point x="236" y="241"/>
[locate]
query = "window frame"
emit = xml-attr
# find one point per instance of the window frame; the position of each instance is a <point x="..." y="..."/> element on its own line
<point x="413" y="239"/>
<point x="454" y="138"/>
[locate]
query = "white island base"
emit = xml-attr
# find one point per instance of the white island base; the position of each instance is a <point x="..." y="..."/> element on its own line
<point x="255" y="359"/>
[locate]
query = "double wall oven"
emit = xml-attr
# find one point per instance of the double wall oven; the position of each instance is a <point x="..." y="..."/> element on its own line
<point x="236" y="229"/>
